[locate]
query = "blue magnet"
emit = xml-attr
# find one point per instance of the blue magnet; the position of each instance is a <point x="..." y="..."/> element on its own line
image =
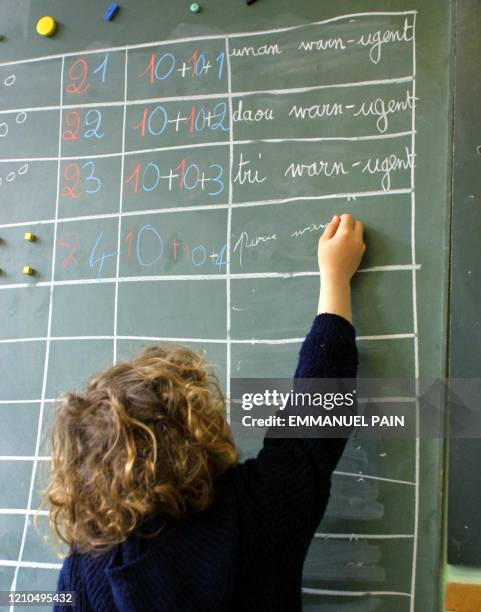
<point x="111" y="12"/>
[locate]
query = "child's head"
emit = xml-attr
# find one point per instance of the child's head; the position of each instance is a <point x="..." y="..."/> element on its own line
<point x="146" y="437"/>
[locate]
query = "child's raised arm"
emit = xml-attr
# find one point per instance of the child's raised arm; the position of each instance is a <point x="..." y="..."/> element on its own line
<point x="291" y="477"/>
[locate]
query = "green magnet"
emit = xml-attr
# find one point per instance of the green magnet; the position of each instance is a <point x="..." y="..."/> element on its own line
<point x="195" y="7"/>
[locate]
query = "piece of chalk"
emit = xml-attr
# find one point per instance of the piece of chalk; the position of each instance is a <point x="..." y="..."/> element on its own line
<point x="195" y="7"/>
<point x="27" y="270"/>
<point x="29" y="236"/>
<point x="46" y="26"/>
<point x="111" y="12"/>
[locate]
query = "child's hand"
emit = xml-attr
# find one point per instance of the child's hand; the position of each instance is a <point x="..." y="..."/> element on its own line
<point x="340" y="249"/>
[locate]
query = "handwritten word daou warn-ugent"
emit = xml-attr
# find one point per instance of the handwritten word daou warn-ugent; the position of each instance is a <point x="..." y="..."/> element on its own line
<point x="382" y="109"/>
<point x="379" y="108"/>
<point x="316" y="111"/>
<point x="373" y="40"/>
<point x="241" y="115"/>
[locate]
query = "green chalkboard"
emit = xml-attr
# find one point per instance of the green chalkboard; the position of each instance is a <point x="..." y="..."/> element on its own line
<point x="464" y="522"/>
<point x="177" y="170"/>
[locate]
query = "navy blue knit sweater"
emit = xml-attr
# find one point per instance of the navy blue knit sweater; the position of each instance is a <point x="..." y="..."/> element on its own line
<point x="246" y="551"/>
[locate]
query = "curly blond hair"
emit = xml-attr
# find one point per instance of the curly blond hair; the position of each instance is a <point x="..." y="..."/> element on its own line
<point x="146" y="437"/>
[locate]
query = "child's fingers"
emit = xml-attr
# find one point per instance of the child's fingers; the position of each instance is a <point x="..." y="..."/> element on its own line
<point x="331" y="227"/>
<point x="359" y="233"/>
<point x="358" y="228"/>
<point x="347" y="222"/>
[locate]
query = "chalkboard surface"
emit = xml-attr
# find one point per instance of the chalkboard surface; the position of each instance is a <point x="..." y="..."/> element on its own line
<point x="177" y="170"/>
<point x="464" y="522"/>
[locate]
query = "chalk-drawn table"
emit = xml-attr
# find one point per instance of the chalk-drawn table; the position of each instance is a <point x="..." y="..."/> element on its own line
<point x="177" y="190"/>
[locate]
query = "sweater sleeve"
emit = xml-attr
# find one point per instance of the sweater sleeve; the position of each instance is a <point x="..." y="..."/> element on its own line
<point x="291" y="477"/>
<point x="69" y="580"/>
<point x="329" y="350"/>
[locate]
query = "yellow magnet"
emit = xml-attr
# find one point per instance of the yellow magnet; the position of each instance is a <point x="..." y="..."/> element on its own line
<point x="27" y="270"/>
<point x="46" y="26"/>
<point x="29" y="236"/>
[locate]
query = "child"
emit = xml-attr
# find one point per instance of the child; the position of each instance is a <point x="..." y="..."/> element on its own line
<point x="147" y="490"/>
